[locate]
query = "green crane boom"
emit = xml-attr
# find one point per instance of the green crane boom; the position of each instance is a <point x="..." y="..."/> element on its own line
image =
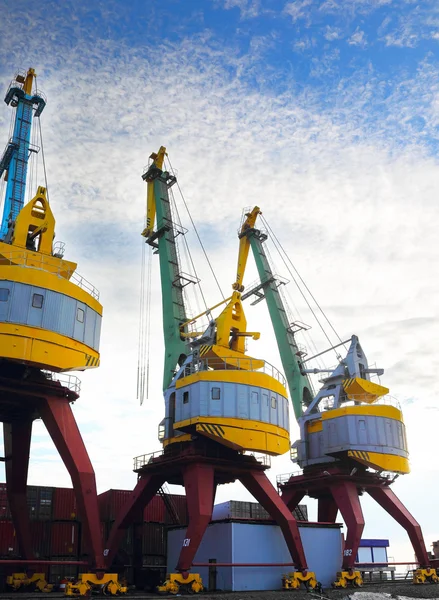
<point x="298" y="384"/>
<point x="172" y="280"/>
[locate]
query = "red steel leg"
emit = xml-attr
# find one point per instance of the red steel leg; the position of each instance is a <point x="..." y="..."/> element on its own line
<point x="261" y="488"/>
<point x="292" y="498"/>
<point x="327" y="510"/>
<point x="17" y="437"/>
<point x="391" y="503"/>
<point x="346" y="496"/>
<point x="58" y="418"/>
<point x="199" y="484"/>
<point x="139" y="498"/>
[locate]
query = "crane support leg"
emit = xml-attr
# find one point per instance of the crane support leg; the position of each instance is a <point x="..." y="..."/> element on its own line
<point x="346" y="496"/>
<point x="263" y="491"/>
<point x="199" y="485"/>
<point x="17" y="438"/>
<point x="327" y="510"/>
<point x="385" y="497"/>
<point x="292" y="498"/>
<point x="140" y="497"/>
<point x="60" y="422"/>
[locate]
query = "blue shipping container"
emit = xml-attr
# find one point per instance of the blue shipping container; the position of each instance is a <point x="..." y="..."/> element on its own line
<point x="237" y="542"/>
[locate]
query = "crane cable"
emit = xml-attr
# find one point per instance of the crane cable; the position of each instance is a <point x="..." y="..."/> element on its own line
<point x="196" y="232"/>
<point x="283" y="254"/>
<point x="42" y="148"/>
<point x="144" y="326"/>
<point x="186" y="247"/>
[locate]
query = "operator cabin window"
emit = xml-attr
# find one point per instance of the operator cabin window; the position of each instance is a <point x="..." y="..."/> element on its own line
<point x="216" y="393"/>
<point x="80" y="315"/>
<point x="37" y="301"/>
<point x="185" y="397"/>
<point x="4" y="294"/>
<point x="273" y="402"/>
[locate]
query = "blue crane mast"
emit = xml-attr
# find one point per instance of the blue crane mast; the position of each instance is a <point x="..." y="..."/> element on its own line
<point x="15" y="158"/>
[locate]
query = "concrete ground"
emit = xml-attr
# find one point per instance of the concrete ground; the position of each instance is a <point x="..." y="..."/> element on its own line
<point x="376" y="591"/>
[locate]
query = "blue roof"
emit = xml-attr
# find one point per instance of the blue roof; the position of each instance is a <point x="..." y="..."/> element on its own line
<point x="374" y="543"/>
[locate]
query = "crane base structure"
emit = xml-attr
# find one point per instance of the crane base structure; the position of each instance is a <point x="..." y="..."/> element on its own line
<point x="339" y="489"/>
<point x="201" y="465"/>
<point x="27" y="394"/>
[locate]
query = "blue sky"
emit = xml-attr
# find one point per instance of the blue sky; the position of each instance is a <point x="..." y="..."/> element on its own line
<point x="325" y="114"/>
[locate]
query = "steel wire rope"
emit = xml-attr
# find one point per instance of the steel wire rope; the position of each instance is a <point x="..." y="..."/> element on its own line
<point x="186" y="245"/>
<point x="32" y="161"/>
<point x="141" y="318"/>
<point x="188" y="258"/>
<point x="283" y="294"/>
<point x="42" y="148"/>
<point x="276" y="243"/>
<point x="144" y="326"/>
<point x="196" y="233"/>
<point x="148" y="319"/>
<point x="303" y="282"/>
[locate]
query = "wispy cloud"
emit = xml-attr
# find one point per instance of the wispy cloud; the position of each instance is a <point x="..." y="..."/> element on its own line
<point x="358" y="38"/>
<point x="346" y="173"/>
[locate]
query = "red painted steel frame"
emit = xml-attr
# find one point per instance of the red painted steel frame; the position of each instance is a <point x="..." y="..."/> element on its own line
<point x="336" y="489"/>
<point x="28" y="395"/>
<point x="200" y="467"/>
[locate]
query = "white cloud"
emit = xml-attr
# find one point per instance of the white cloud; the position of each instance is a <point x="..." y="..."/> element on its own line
<point x="358" y="38"/>
<point x="299" y="9"/>
<point x="248" y="8"/>
<point x="352" y="194"/>
<point x="332" y="33"/>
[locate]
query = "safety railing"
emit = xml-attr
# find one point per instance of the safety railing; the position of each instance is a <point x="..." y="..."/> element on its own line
<point x="71" y="382"/>
<point x="263" y="459"/>
<point x="285" y="477"/>
<point x="386" y="400"/>
<point x="232" y="363"/>
<point x="53" y="264"/>
<point x="144" y="459"/>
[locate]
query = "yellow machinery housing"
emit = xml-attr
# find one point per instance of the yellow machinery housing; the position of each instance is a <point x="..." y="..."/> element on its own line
<point x="176" y="584"/>
<point x="50" y="318"/>
<point x="295" y="579"/>
<point x="36" y="582"/>
<point x="348" y="578"/>
<point x="108" y="585"/>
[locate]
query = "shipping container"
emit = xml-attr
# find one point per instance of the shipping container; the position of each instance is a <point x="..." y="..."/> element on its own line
<point x="5" y="513"/>
<point x="64" y="539"/>
<point x="83" y="549"/>
<point x="258" y="543"/>
<point x="39" y="502"/>
<point x="235" y="509"/>
<point x="40" y="532"/>
<point x="111" y="502"/>
<point x="64" y="504"/>
<point x="155" y="511"/>
<point x="8" y="540"/>
<point x="176" y="506"/>
<point x="153" y="539"/>
<point x="126" y="544"/>
<point x="171" y="509"/>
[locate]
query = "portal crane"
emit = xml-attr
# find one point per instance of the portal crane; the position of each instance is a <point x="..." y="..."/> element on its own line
<point x="352" y="439"/>
<point x="50" y="321"/>
<point x="220" y="403"/>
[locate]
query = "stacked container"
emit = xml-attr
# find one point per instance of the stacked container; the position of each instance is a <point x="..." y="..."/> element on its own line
<point x="144" y="547"/>
<point x="250" y="511"/>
